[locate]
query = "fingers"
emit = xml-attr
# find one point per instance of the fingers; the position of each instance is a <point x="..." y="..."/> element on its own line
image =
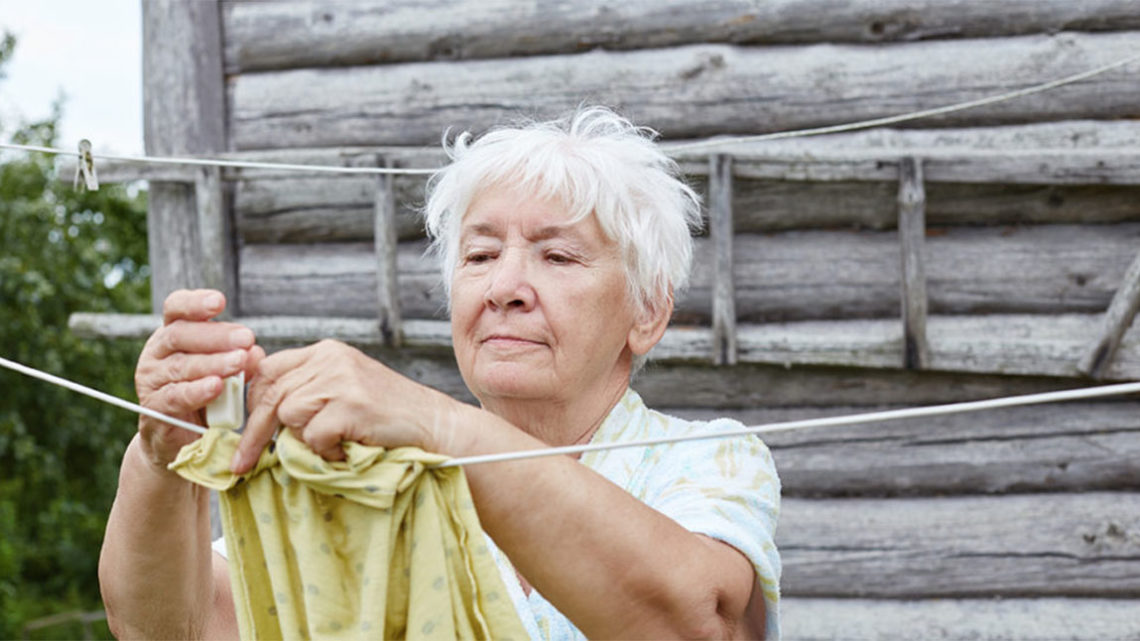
<point x="265" y="395"/>
<point x="201" y="337"/>
<point x="194" y="305"/>
<point x="177" y="399"/>
<point x="188" y="367"/>
<point x="324" y="434"/>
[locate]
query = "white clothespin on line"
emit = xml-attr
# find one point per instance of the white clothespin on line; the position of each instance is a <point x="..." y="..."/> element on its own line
<point x="228" y="410"/>
<point x="86" y="168"/>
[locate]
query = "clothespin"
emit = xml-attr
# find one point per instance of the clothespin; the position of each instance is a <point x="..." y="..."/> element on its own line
<point x="228" y="410"/>
<point x="86" y="167"/>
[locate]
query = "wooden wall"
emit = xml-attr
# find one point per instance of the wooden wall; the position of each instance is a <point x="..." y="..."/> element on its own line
<point x="1012" y="524"/>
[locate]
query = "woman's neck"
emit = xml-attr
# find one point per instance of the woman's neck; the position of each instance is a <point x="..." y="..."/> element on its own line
<point x="560" y="422"/>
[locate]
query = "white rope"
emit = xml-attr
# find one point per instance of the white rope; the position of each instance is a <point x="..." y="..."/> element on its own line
<point x="830" y="421"/>
<point x="914" y="115"/>
<point x="102" y="396"/>
<point x="671" y="149"/>
<point x="207" y="162"/>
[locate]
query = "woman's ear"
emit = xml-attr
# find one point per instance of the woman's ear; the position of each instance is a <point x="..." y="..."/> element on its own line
<point x="650" y="324"/>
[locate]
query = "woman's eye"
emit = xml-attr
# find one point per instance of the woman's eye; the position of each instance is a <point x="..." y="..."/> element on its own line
<point x="477" y="258"/>
<point x="558" y="259"/>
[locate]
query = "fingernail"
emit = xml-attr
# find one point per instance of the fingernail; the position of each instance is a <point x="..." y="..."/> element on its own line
<point x="241" y="338"/>
<point x="213" y="301"/>
<point x="234" y="360"/>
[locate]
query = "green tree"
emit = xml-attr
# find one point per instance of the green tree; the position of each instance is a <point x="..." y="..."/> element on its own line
<point x="62" y="251"/>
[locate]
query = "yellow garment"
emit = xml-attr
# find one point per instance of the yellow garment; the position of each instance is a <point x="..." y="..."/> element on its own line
<point x="377" y="546"/>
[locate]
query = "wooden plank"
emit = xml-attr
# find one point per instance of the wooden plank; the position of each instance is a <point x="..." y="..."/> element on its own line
<point x="215" y="236"/>
<point x="779" y="277"/>
<point x="1015" y="619"/>
<point x="684" y="92"/>
<point x="912" y="236"/>
<point x="1070" y="447"/>
<point x="322" y="209"/>
<point x="986" y="546"/>
<point x="1098" y="356"/>
<point x="721" y="235"/>
<point x="183" y="113"/>
<point x="1006" y="344"/>
<point x="1030" y="167"/>
<point x="385" y="244"/>
<point x="680" y="380"/>
<point x="305" y="34"/>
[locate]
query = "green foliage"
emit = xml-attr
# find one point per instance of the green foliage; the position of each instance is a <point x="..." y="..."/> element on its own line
<point x="62" y="251"/>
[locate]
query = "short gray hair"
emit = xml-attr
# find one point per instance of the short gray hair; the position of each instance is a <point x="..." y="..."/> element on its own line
<point x="596" y="162"/>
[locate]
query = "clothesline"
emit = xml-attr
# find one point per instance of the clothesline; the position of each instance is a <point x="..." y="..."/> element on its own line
<point x="671" y="149"/>
<point x="1117" y="389"/>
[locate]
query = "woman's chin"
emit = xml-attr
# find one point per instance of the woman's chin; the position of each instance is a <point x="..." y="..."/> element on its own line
<point x="512" y="381"/>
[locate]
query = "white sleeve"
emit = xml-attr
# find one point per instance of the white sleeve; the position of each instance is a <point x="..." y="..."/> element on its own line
<point x="728" y="490"/>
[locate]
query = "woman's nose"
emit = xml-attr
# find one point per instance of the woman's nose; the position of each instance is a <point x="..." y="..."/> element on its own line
<point x="510" y="286"/>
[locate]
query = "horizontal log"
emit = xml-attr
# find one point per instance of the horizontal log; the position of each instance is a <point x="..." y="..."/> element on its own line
<point x="1041" y="619"/>
<point x="1085" y="544"/>
<point x="282" y="211"/>
<point x="679" y="375"/>
<point x="1021" y="345"/>
<point x="280" y="35"/>
<point x="320" y="209"/>
<point x="1005" y="344"/>
<point x="1044" y="448"/>
<point x="788" y="276"/>
<point x="684" y="92"/>
<point x="1033" y="167"/>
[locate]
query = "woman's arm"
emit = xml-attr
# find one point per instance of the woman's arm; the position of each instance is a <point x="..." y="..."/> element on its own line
<point x="157" y="571"/>
<point x="611" y="564"/>
<point x="158" y="575"/>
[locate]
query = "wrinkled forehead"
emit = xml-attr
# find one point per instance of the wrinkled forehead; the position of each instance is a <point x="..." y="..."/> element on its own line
<point x="543" y="212"/>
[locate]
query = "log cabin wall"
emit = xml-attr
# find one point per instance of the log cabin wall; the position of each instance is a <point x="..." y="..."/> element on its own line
<point x="959" y="257"/>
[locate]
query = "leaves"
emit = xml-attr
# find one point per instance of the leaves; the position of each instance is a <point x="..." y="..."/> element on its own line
<point x="61" y="251"/>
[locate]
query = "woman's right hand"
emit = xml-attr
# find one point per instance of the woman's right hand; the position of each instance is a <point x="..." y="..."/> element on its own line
<point x="182" y="367"/>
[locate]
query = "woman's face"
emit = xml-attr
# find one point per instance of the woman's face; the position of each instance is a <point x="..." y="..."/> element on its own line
<point x="539" y="305"/>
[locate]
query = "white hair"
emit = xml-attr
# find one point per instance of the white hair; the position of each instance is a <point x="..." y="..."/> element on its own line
<point x="596" y="162"/>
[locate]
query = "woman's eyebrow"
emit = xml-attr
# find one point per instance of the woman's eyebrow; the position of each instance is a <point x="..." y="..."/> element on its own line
<point x="480" y="229"/>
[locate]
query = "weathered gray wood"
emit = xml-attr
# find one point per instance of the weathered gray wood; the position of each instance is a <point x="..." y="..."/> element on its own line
<point x="340" y="209"/>
<point x="1045" y="448"/>
<point x="684" y="92"/>
<point x="1052" y="167"/>
<point x="1083" y="544"/>
<point x="321" y="209"/>
<point x="1013" y="619"/>
<point x="307" y="34"/>
<point x="721" y="235"/>
<point x="215" y="235"/>
<point x="684" y="379"/>
<point x="1098" y="356"/>
<point x="787" y="276"/>
<point x="384" y="247"/>
<point x="766" y="206"/>
<point x="183" y="113"/>
<point x="1048" y="345"/>
<point x="912" y="236"/>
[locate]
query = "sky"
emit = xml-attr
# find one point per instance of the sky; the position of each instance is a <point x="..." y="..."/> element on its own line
<point x="87" y="50"/>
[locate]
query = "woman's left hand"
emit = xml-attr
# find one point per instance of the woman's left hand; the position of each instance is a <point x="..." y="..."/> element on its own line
<point x="329" y="393"/>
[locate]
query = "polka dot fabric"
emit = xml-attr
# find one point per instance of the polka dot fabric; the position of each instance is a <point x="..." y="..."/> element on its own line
<point x="377" y="546"/>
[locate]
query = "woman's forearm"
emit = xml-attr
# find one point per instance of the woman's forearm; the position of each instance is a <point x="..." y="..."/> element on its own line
<point x="614" y="566"/>
<point x="155" y="569"/>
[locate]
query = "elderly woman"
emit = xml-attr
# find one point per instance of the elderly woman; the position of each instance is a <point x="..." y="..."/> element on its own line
<point x="563" y="245"/>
